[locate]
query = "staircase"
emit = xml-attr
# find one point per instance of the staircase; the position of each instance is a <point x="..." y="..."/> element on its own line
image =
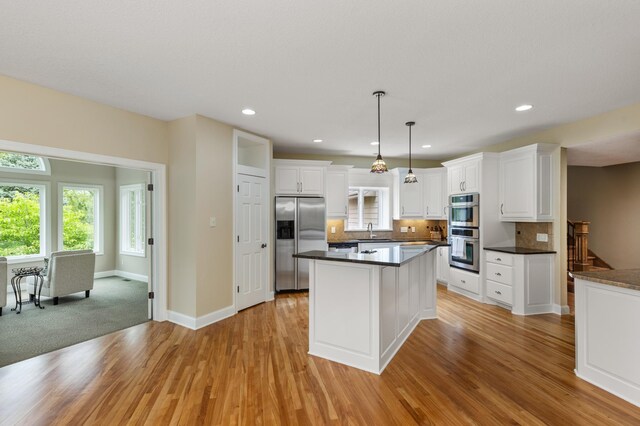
<point x="579" y="257"/>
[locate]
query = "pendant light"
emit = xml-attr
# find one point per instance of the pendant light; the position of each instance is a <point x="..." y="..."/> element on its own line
<point x="410" y="178"/>
<point x="379" y="166"/>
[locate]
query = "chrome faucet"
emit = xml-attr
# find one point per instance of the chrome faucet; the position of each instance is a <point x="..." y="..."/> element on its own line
<point x="370" y="229"/>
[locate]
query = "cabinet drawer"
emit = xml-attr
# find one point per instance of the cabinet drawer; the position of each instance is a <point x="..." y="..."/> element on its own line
<point x="500" y="292"/>
<point x="500" y="273"/>
<point x="497" y="257"/>
<point x="465" y="280"/>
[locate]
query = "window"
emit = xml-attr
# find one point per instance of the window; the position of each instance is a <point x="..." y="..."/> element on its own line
<point x="368" y="205"/>
<point x="132" y="220"/>
<point x="23" y="163"/>
<point x="22" y="219"/>
<point x="80" y="217"/>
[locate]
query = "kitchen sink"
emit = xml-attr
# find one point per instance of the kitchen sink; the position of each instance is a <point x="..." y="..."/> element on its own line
<point x="373" y="240"/>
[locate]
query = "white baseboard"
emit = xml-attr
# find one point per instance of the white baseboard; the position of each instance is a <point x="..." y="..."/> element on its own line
<point x="203" y="321"/>
<point x="561" y="310"/>
<point x="132" y="276"/>
<point x="104" y="274"/>
<point x="123" y="274"/>
<point x="271" y="295"/>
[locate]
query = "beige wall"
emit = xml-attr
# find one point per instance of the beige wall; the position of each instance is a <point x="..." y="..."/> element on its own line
<point x="359" y="162"/>
<point x="37" y="115"/>
<point x="609" y="198"/>
<point x="123" y="262"/>
<point x="182" y="216"/>
<point x="214" y="198"/>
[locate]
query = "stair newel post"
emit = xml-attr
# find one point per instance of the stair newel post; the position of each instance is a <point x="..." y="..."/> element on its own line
<point x="581" y="237"/>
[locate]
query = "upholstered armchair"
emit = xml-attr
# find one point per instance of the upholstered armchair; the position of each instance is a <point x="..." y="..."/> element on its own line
<point x="68" y="272"/>
<point x="3" y="283"/>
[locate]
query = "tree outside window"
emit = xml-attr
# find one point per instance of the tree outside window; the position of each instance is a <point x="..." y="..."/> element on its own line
<point x="21" y="217"/>
<point x="80" y="218"/>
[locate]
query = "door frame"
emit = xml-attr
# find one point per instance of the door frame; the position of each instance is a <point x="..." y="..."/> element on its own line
<point x="266" y="174"/>
<point x="158" y="208"/>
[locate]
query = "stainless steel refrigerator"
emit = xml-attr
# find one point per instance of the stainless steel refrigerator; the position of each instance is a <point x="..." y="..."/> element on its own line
<point x="300" y="226"/>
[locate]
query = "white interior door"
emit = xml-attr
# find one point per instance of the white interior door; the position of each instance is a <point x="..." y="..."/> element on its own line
<point x="251" y="241"/>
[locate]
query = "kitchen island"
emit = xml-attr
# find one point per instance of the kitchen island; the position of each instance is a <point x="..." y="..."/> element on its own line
<point x="362" y="307"/>
<point x="607" y="332"/>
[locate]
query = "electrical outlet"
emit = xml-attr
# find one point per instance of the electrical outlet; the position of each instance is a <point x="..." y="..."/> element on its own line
<point x="542" y="237"/>
<point x="403" y="229"/>
<point x="333" y="229"/>
<point x="413" y="229"/>
<point x="212" y="222"/>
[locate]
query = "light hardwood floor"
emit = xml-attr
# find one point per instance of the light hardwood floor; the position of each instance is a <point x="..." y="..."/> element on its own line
<point x="475" y="364"/>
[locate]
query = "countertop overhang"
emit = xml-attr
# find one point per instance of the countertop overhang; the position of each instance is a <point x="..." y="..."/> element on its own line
<point x="395" y="256"/>
<point x="625" y="278"/>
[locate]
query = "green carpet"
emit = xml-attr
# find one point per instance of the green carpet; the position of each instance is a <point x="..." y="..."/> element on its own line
<point x="114" y="304"/>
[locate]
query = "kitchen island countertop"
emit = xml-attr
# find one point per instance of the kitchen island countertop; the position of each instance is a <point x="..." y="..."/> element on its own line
<point x="395" y="256"/>
<point x="625" y="278"/>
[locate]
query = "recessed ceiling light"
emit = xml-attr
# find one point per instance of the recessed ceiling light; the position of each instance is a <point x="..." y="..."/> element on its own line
<point x="317" y="140"/>
<point x="426" y="146"/>
<point x="248" y="111"/>
<point x="375" y="143"/>
<point x="525" y="107"/>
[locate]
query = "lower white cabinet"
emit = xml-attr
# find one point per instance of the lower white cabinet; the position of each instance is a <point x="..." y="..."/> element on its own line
<point x="466" y="281"/>
<point x="442" y="265"/>
<point x="521" y="282"/>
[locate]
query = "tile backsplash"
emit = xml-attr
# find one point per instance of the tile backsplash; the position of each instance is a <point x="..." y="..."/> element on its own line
<point x="423" y="230"/>
<point x="526" y="235"/>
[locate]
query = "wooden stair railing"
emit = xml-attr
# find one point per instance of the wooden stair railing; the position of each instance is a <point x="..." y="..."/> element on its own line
<point x="581" y="241"/>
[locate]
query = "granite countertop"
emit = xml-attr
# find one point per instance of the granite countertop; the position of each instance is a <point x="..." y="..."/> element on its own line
<point x="395" y="256"/>
<point x="625" y="278"/>
<point x="392" y="240"/>
<point x="519" y="250"/>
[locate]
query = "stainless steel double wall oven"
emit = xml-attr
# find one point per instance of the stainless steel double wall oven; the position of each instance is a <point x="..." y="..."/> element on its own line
<point x="464" y="231"/>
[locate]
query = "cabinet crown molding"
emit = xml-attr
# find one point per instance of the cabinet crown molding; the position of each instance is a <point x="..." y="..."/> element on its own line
<point x="478" y="156"/>
<point x="289" y="162"/>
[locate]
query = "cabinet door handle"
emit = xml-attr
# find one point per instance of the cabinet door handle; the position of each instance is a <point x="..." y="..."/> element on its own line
<point x="300" y="186"/>
<point x="427" y="210"/>
<point x="498" y="274"/>
<point x="501" y="211"/>
<point x="463" y="281"/>
<point x="498" y="292"/>
<point x="464" y="185"/>
<point x="345" y="210"/>
<point x="460" y="185"/>
<point x="498" y="259"/>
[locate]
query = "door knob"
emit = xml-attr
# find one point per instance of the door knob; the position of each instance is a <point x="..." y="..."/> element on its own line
<point x="263" y="245"/>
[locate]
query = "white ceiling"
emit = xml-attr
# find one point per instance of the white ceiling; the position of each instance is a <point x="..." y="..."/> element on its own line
<point x="457" y="68"/>
<point x="605" y="153"/>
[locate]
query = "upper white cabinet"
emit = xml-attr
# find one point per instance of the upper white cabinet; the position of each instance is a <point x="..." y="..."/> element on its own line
<point x="464" y="176"/>
<point x="435" y="193"/>
<point x="337" y="191"/>
<point x="407" y="197"/>
<point x="526" y="183"/>
<point x="296" y="177"/>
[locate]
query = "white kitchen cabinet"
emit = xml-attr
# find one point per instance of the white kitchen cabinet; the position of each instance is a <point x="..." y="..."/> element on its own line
<point x="526" y="181"/>
<point x="337" y="191"/>
<point x="464" y="176"/>
<point x="435" y="193"/>
<point x="467" y="283"/>
<point x="442" y="265"/>
<point x="407" y="197"/>
<point x="520" y="282"/>
<point x="298" y="177"/>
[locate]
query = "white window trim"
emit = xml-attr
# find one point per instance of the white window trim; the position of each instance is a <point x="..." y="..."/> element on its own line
<point x="44" y="161"/>
<point x="45" y="220"/>
<point x="121" y="230"/>
<point x="384" y="216"/>
<point x="98" y="233"/>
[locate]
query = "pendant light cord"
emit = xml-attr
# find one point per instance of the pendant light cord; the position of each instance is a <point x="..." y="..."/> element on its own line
<point x="409" y="147"/>
<point x="378" y="95"/>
